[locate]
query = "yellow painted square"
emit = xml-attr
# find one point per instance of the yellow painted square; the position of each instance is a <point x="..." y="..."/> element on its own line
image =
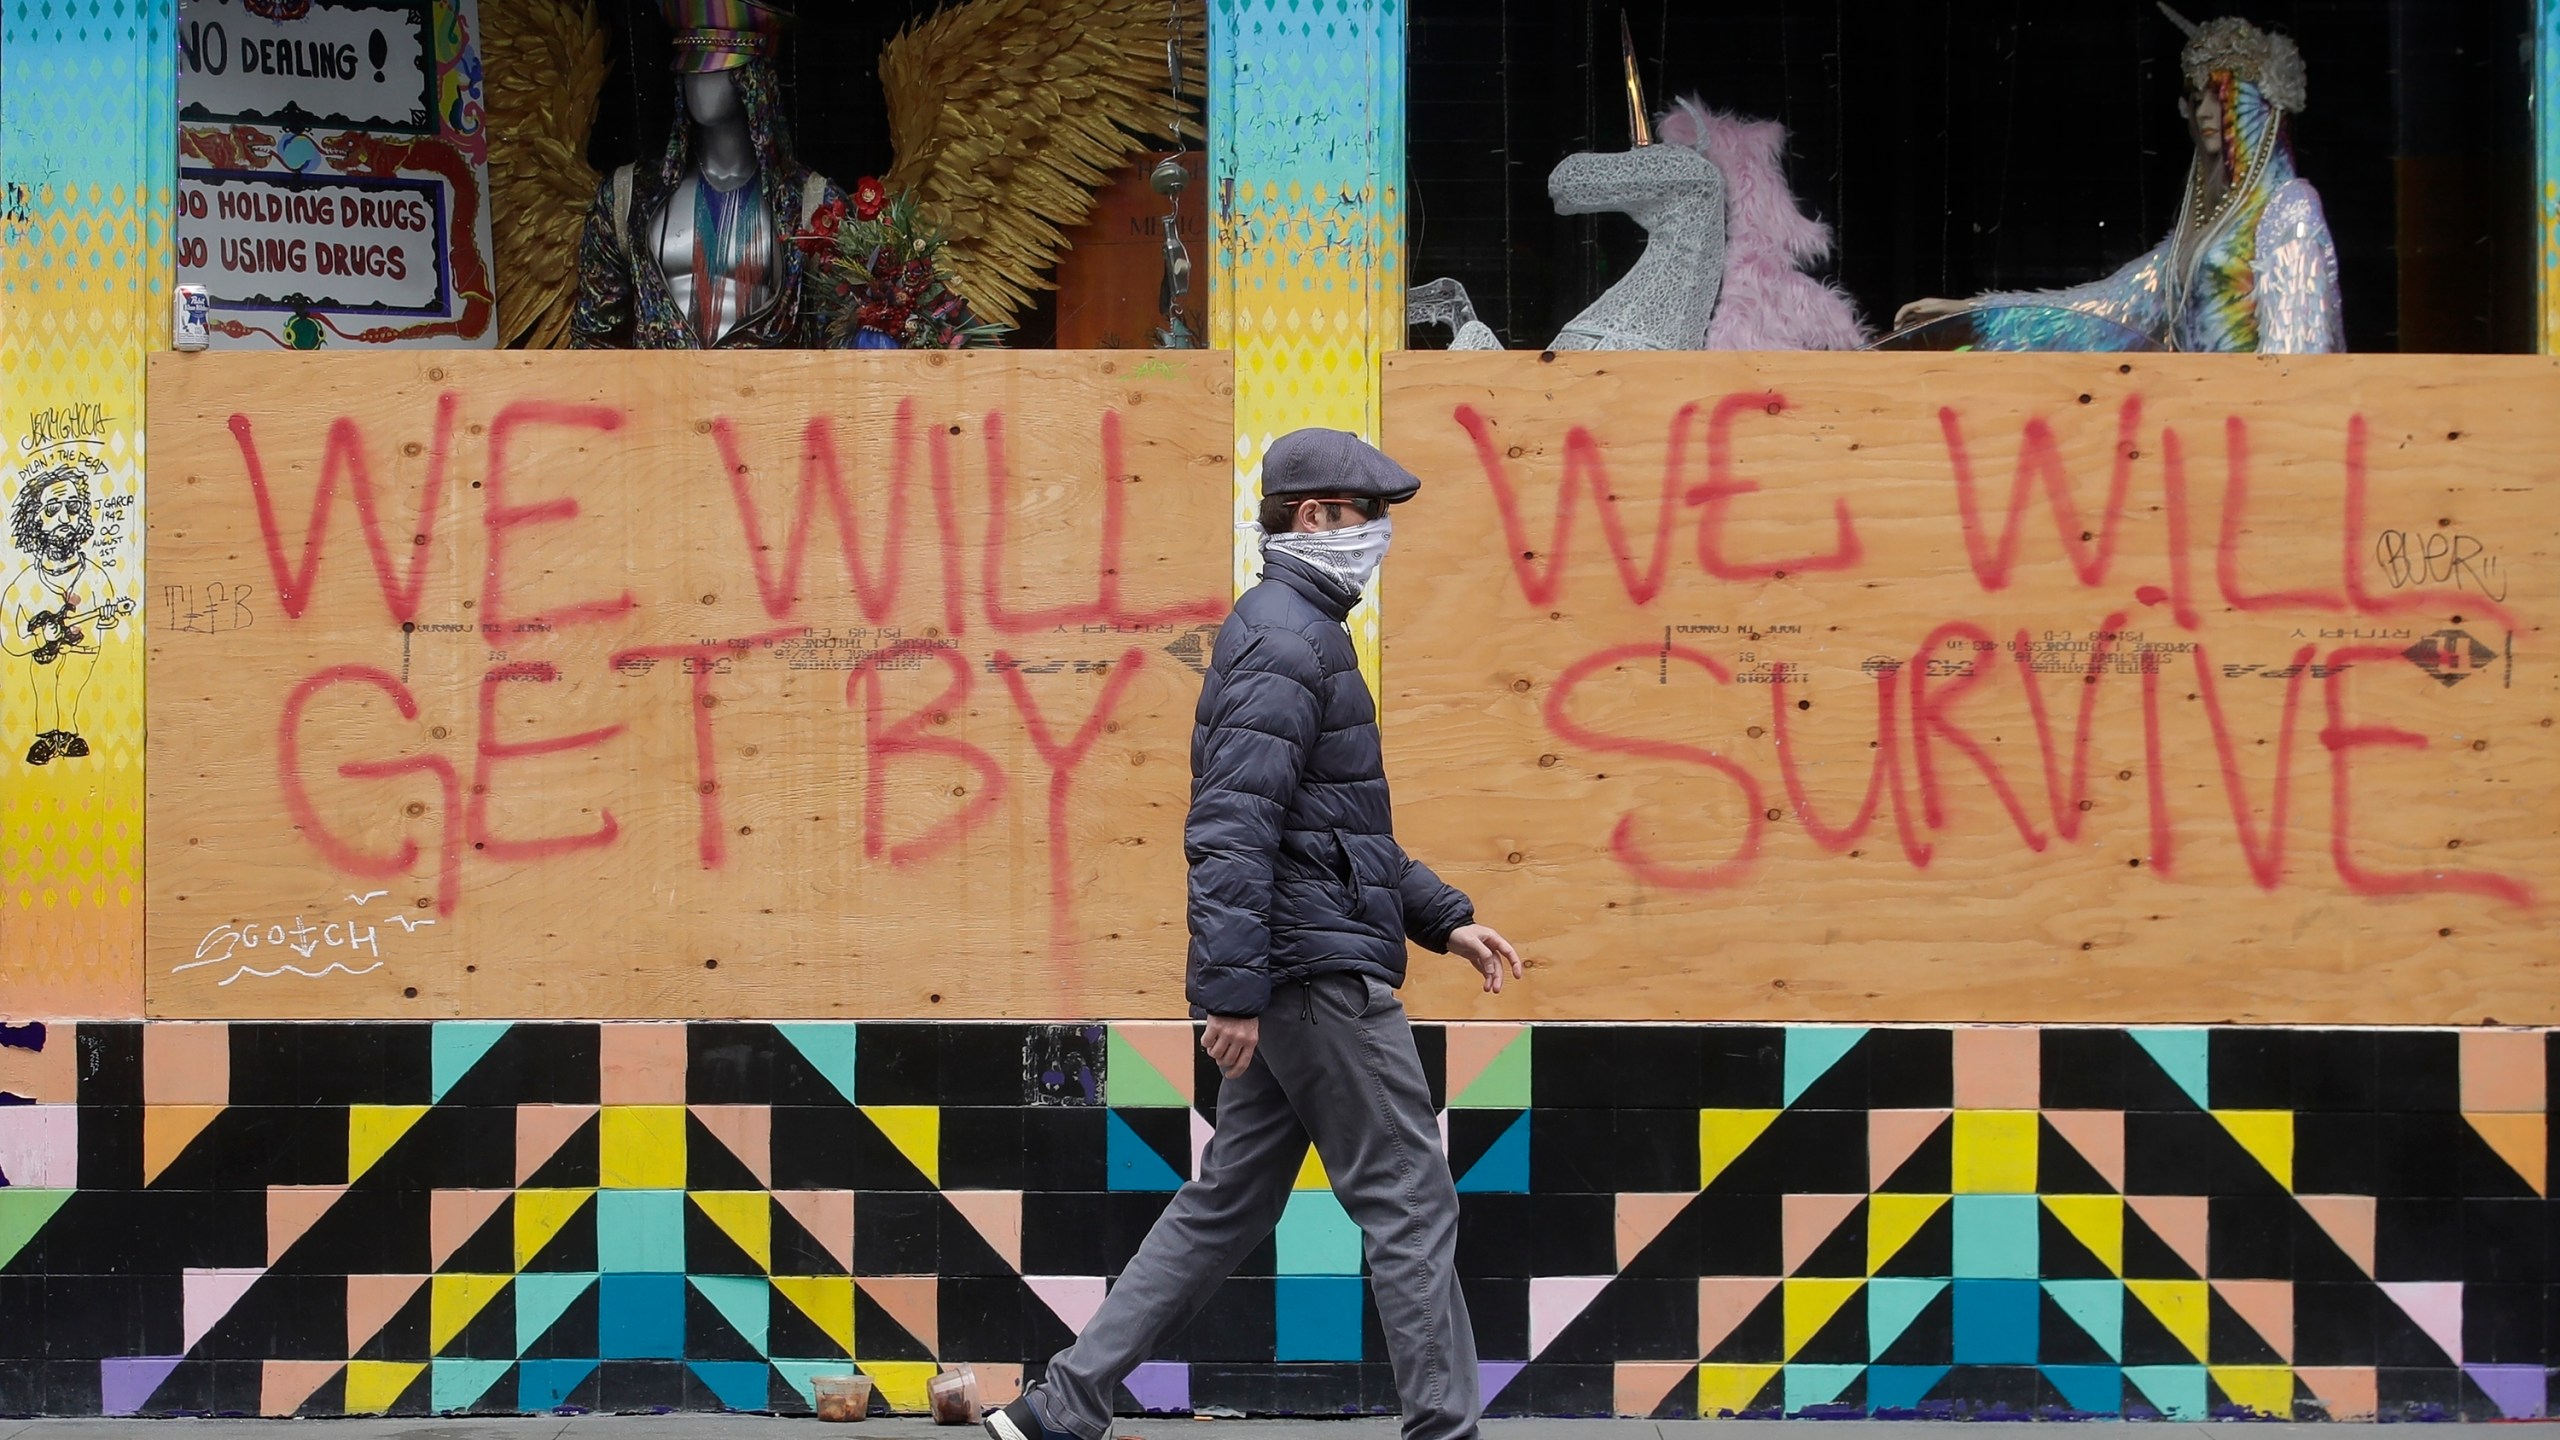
<point x="1995" y="1152"/>
<point x="642" y="1147"/>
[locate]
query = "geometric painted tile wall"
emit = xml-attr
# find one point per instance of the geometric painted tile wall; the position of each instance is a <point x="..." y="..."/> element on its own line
<point x="1660" y="1220"/>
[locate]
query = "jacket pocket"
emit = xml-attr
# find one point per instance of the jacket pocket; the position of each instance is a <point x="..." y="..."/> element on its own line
<point x="1346" y="875"/>
<point x="1375" y="900"/>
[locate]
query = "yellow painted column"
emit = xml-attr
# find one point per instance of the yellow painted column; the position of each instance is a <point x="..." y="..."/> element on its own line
<point x="1306" y="281"/>
<point x="88" y="149"/>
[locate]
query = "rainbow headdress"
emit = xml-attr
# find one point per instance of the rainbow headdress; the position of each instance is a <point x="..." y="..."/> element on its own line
<point x="723" y="34"/>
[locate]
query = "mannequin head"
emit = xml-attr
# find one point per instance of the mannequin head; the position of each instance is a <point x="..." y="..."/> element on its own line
<point x="711" y="98"/>
<point x="2204" y="113"/>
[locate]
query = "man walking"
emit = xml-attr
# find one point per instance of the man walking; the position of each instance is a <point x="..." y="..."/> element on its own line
<point x="1301" y="904"/>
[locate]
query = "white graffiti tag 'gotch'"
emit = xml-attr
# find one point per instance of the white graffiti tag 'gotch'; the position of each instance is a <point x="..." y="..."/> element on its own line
<point x="225" y="942"/>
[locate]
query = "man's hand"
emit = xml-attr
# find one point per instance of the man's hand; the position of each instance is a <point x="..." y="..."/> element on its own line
<point x="1231" y="1041"/>
<point x="1484" y="948"/>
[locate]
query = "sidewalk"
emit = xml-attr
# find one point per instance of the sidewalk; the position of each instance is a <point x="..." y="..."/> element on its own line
<point x="757" y="1427"/>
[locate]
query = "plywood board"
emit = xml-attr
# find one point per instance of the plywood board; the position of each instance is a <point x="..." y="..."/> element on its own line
<point x="563" y="685"/>
<point x="2059" y="688"/>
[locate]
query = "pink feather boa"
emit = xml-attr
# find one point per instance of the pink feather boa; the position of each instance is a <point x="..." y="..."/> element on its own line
<point x="1768" y="303"/>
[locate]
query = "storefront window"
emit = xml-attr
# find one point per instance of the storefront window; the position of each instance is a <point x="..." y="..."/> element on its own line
<point x="1955" y="148"/>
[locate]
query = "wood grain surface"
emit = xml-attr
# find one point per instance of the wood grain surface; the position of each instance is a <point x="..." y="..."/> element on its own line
<point x="2039" y="688"/>
<point x="620" y="726"/>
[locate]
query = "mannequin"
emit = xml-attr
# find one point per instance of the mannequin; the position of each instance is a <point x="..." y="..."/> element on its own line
<point x="694" y="250"/>
<point x="2250" y="265"/>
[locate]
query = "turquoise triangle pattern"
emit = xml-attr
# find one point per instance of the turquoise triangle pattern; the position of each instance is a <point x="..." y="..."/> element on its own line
<point x="542" y="1297"/>
<point x="1900" y="1387"/>
<point x="829" y="1047"/>
<point x="2176" y="1391"/>
<point x="1811" y="1385"/>
<point x="740" y="1384"/>
<point x="2092" y="1389"/>
<point x="801" y="1375"/>
<point x="1132" y="1163"/>
<point x="745" y="1301"/>
<point x="548" y="1384"/>
<point x="459" y="1044"/>
<point x="1503" y="1169"/>
<point x="2096" y="1306"/>
<point x="2181" y="1053"/>
<point x="458" y="1384"/>
<point x="1813" y="1049"/>
<point x="1892" y="1304"/>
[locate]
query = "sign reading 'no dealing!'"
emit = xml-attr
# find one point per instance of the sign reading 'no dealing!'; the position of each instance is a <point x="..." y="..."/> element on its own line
<point x="308" y="63"/>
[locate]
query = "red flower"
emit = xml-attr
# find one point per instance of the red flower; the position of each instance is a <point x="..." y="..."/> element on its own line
<point x="820" y="234"/>
<point x="870" y="197"/>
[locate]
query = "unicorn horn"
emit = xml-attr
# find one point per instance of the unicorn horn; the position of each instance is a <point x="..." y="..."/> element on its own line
<point x="1639" y="128"/>
<point x="2191" y="28"/>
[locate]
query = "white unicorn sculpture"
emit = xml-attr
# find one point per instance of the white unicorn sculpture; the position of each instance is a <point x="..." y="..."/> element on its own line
<point x="1723" y="262"/>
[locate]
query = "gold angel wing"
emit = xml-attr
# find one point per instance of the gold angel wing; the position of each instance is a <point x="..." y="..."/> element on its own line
<point x="546" y="66"/>
<point x="1007" y="116"/>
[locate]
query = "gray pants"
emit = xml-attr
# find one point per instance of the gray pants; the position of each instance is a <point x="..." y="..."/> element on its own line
<point x="1336" y="1066"/>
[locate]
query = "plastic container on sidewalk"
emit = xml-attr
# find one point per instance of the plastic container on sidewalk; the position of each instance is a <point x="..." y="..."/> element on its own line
<point x="952" y="1396"/>
<point x="841" y="1398"/>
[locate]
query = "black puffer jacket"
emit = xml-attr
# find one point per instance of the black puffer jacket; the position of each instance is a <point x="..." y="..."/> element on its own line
<point x="1295" y="869"/>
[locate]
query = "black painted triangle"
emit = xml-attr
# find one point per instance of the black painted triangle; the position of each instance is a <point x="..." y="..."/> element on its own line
<point x="329" y="1400"/>
<point x="2147" y="1341"/>
<point x="491" y="1332"/>
<point x="491" y="1250"/>
<point x="419" y="1398"/>
<point x="1168" y="1133"/>
<point x="1930" y="1338"/>
<point x="1841" y="1253"/>
<point x="708" y="1335"/>
<point x="425" y="1157"/>
<point x="1760" y="1337"/>
<point x="371" y="1230"/>
<point x="797" y="1252"/>
<point x="1928" y="1170"/>
<point x="404" y="1336"/>
<point x="2395" y="1334"/>
<point x="708" y="1250"/>
<point x="2060" y="1167"/>
<point x="1673" y="1252"/>
<point x="1590" y="1337"/>
<point x="2061" y="1256"/>
<point x="1930" y="1253"/>
<point x="708" y="1165"/>
<point x="1842" y="1340"/>
<point x="572" y="1249"/>
<point x="876" y="1163"/>
<point x="879" y="1333"/>
<point x="792" y="1333"/>
<point x="966" y="1252"/>
<point x="199" y="1165"/>
<point x="781" y="1397"/>
<point x="2231" y="1340"/>
<point x="1680" y="1402"/>
<point x="575" y="1165"/>
<point x="1473" y="1132"/>
<point x="2148" y="1257"/>
<point x="573" y="1335"/>
<point x="2061" y="1341"/>
<point x="282" y="1315"/>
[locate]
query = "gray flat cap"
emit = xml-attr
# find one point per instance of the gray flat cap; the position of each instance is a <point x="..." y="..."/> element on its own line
<point x="1334" y="462"/>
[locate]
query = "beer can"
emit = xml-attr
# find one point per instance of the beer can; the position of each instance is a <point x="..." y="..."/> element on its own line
<point x="195" y="307"/>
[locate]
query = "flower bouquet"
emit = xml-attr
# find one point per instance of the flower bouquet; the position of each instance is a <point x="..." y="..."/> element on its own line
<point x="877" y="271"/>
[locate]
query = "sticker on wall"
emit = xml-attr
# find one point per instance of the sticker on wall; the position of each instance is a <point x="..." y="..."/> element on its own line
<point x="333" y="178"/>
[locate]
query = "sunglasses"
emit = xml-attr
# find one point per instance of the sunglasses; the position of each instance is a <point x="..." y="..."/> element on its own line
<point x="1369" y="507"/>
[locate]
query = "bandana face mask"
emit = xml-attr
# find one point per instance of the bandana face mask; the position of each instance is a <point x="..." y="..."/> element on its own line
<point x="1351" y="555"/>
